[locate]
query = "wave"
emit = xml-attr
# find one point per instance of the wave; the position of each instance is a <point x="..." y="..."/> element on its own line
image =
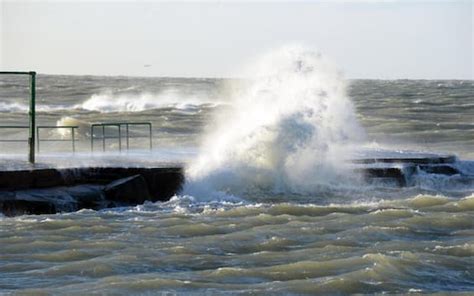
<point x="289" y="129"/>
<point x="108" y="102"/>
<point x="15" y="107"/>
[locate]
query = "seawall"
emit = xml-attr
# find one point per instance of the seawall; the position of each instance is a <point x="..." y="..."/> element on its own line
<point x="51" y="190"/>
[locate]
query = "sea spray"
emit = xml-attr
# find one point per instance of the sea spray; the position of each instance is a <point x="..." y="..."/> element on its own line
<point x="65" y="133"/>
<point x="290" y="128"/>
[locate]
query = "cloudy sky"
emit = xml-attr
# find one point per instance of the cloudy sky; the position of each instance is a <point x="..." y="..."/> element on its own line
<point x="366" y="39"/>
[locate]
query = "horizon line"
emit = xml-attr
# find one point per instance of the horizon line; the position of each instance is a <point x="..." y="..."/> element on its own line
<point x="216" y="77"/>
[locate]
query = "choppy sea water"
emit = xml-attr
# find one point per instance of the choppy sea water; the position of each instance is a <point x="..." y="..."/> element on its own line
<point x="418" y="244"/>
<point x="270" y="238"/>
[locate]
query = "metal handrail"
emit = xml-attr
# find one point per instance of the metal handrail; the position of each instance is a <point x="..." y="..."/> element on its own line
<point x="32" y="112"/>
<point x="103" y="125"/>
<point x="72" y="140"/>
<point x="150" y="135"/>
<point x="13" y="127"/>
<point x="38" y="139"/>
<point x="119" y="125"/>
<point x="17" y="72"/>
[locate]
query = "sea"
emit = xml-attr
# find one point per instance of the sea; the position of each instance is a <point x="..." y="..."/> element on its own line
<point x="270" y="206"/>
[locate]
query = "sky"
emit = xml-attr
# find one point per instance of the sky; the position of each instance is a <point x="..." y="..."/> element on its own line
<point x="366" y="39"/>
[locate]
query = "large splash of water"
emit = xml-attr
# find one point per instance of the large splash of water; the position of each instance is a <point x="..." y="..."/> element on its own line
<point x="289" y="129"/>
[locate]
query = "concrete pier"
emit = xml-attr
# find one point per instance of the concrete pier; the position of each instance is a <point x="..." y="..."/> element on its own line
<point x="399" y="168"/>
<point x="47" y="189"/>
<point x="50" y="190"/>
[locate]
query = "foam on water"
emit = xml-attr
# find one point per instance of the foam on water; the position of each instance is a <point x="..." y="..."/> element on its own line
<point x="110" y="102"/>
<point x="289" y="129"/>
<point x="13" y="107"/>
<point x="16" y="107"/>
<point x="118" y="102"/>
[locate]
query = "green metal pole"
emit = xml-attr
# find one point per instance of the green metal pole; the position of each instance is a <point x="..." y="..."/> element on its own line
<point x="103" y="138"/>
<point x="73" y="141"/>
<point x="31" y="139"/>
<point x="151" y="137"/>
<point x="120" y="137"/>
<point x="128" y="137"/>
<point x="92" y="138"/>
<point x="38" y="141"/>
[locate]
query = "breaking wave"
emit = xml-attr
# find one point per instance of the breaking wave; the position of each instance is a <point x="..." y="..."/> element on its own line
<point x="15" y="107"/>
<point x="289" y="129"/>
<point x="108" y="102"/>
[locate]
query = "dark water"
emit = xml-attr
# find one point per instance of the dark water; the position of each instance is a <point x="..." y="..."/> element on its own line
<point x="337" y="240"/>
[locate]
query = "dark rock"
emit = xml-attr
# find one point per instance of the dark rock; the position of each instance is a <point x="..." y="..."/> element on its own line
<point x="46" y="191"/>
<point x="439" y="169"/>
<point x="128" y="191"/>
<point x="13" y="207"/>
<point x="399" y="175"/>
<point x="88" y="197"/>
<point x="51" y="200"/>
<point x="429" y="159"/>
<point x="162" y="183"/>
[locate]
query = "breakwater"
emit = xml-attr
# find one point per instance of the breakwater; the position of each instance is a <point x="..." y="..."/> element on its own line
<point x="51" y="190"/>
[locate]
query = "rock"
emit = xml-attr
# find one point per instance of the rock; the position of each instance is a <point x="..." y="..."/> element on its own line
<point x="13" y="206"/>
<point x="162" y="182"/>
<point x="48" y="191"/>
<point x="88" y="197"/>
<point x="422" y="158"/>
<point x="128" y="191"/>
<point x="397" y="174"/>
<point x="52" y="200"/>
<point x="439" y="169"/>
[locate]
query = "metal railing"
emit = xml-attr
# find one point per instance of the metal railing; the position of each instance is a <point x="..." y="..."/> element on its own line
<point x="34" y="129"/>
<point x="72" y="140"/>
<point x="14" y="127"/>
<point x="122" y="127"/>
<point x="32" y="113"/>
<point x="119" y="126"/>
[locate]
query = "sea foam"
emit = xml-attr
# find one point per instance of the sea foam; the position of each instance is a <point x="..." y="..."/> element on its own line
<point x="109" y="102"/>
